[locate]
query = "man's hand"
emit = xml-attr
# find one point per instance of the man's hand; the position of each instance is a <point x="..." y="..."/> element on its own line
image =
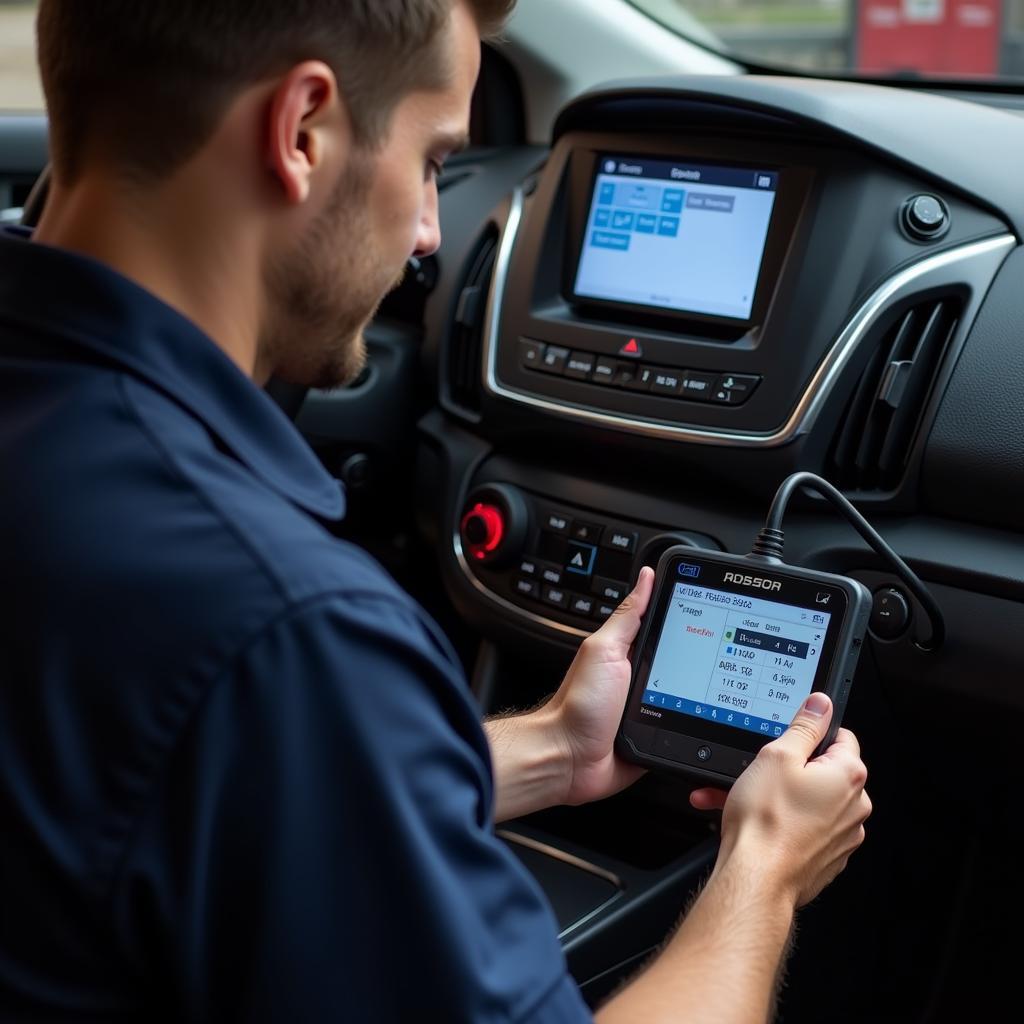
<point x="790" y="824"/>
<point x="564" y="752"/>
<point x="804" y="817"/>
<point x="588" y="706"/>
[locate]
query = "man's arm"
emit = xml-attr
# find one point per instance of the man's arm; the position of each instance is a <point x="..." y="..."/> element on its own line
<point x="563" y="752"/>
<point x="722" y="964"/>
<point x="788" y="829"/>
<point x="318" y="844"/>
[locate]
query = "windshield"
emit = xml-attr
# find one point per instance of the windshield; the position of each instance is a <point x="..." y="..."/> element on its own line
<point x="19" y="80"/>
<point x="908" y="38"/>
<point x="981" y="39"/>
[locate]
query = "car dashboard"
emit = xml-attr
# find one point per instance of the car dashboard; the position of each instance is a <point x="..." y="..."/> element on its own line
<point x="847" y="275"/>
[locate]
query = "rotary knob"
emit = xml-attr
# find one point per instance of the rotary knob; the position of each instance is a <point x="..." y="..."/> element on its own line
<point x="483" y="528"/>
<point x="493" y="525"/>
<point x="925" y="218"/>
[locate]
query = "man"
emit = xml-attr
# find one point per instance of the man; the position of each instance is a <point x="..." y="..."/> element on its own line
<point x="241" y="776"/>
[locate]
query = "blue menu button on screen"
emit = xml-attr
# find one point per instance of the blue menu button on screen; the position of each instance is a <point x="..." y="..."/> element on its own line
<point x="646" y="223"/>
<point x="668" y="226"/>
<point x="672" y="201"/>
<point x="603" y="217"/>
<point x="608" y="240"/>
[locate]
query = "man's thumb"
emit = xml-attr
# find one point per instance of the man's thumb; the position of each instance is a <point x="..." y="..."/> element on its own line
<point x="809" y="726"/>
<point x="624" y="623"/>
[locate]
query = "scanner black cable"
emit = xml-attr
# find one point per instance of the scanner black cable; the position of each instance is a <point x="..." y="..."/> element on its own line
<point x="770" y="544"/>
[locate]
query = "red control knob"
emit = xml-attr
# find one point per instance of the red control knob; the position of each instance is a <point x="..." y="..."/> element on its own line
<point x="483" y="529"/>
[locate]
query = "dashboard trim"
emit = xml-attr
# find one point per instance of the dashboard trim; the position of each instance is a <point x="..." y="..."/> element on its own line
<point x="974" y="264"/>
<point x="519" y="839"/>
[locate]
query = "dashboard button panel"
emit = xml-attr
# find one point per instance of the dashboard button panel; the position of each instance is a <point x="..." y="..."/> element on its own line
<point x="665" y="381"/>
<point x="573" y="566"/>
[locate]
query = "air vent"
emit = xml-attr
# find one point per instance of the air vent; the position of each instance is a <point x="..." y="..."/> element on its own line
<point x="884" y="415"/>
<point x="465" y="340"/>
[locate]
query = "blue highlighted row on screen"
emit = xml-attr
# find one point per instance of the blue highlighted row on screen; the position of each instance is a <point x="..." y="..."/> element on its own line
<point x="714" y="713"/>
<point x="641" y="196"/>
<point x="642" y="223"/>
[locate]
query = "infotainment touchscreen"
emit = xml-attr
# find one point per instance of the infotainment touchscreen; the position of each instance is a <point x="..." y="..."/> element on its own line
<point x="676" y="236"/>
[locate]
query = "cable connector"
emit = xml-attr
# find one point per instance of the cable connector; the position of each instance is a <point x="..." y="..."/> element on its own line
<point x="770" y="544"/>
<point x="770" y="541"/>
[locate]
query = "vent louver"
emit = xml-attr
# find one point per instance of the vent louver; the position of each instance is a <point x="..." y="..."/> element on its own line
<point x="465" y="339"/>
<point x="880" y="424"/>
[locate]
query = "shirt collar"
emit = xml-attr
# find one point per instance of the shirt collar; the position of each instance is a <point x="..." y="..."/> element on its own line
<point x="88" y="304"/>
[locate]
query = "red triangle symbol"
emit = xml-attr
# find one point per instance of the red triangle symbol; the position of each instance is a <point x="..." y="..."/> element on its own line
<point x="631" y="348"/>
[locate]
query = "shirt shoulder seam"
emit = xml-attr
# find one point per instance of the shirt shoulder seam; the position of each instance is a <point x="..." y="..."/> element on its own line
<point x="201" y="494"/>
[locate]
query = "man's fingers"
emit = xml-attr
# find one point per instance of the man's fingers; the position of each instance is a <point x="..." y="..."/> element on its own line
<point x="845" y="744"/>
<point x="708" y="799"/>
<point x="624" y="623"/>
<point x="808" y="728"/>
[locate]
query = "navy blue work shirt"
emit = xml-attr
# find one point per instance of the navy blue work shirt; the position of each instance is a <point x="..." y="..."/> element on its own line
<point x="241" y="778"/>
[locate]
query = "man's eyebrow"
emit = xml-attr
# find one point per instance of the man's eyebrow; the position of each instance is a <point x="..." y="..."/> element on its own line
<point x="452" y="142"/>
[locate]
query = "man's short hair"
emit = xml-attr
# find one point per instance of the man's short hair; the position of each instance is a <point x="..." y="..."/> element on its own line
<point x="144" y="83"/>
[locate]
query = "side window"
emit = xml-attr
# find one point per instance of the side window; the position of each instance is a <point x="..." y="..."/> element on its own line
<point x="20" y="91"/>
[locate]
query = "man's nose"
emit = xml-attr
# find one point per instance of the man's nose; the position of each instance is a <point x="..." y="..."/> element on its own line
<point x="428" y="237"/>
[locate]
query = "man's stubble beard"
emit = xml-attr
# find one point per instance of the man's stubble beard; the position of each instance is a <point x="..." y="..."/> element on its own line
<point x="323" y="293"/>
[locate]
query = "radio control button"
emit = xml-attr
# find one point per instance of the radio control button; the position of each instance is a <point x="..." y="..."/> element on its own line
<point x="582" y="606"/>
<point x="554" y="360"/>
<point x="666" y="382"/>
<point x="698" y="386"/>
<point x="704" y="753"/>
<point x="551" y="574"/>
<point x="625" y="375"/>
<point x="620" y="540"/>
<point x="586" y="533"/>
<point x="643" y="379"/>
<point x="580" y="558"/>
<point x="531" y="354"/>
<point x="738" y="386"/>
<point x="605" y="370"/>
<point x="555" y="596"/>
<point x="526" y="588"/>
<point x="604" y="611"/>
<point x="528" y="567"/>
<point x="580" y="365"/>
<point x="557" y="522"/>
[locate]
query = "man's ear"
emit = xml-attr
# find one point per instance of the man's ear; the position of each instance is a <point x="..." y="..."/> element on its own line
<point x="304" y="112"/>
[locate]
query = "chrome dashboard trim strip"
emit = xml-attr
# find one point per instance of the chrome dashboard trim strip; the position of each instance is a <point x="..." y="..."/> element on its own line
<point x="576" y="862"/>
<point x="974" y="264"/>
<point x="540" y="620"/>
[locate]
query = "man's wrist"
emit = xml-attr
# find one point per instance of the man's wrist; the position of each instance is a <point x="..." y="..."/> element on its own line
<point x="532" y="762"/>
<point x="749" y="862"/>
